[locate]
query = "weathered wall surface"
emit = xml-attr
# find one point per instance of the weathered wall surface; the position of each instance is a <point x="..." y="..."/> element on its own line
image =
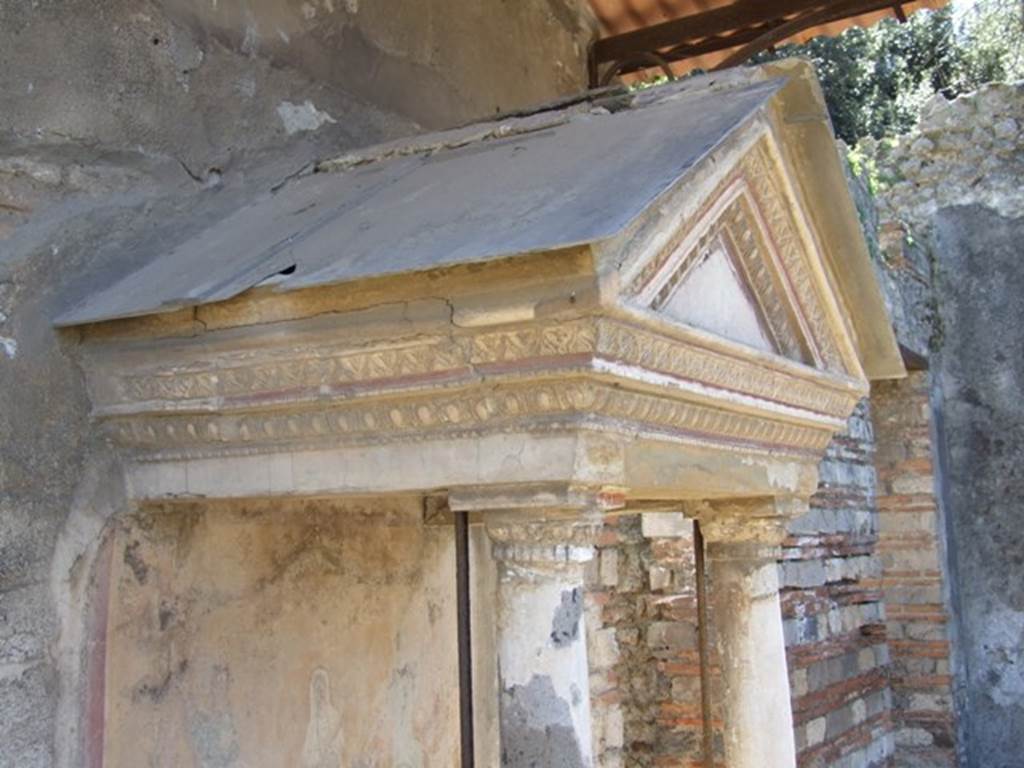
<point x="204" y="80"/>
<point x="979" y="379"/>
<point x="270" y="634"/>
<point x="955" y="185"/>
<point x="128" y="125"/>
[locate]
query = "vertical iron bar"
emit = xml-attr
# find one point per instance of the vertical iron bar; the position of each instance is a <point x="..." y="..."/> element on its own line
<point x="465" y="638"/>
<point x="593" y="64"/>
<point x="708" y="733"/>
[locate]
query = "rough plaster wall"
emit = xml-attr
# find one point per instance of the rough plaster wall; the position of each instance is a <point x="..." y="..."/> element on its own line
<point x="958" y="191"/>
<point x="980" y="374"/>
<point x="267" y="634"/>
<point x="205" y="79"/>
<point x="126" y="126"/>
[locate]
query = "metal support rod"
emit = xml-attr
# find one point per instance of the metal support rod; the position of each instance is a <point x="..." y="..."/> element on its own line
<point x="465" y="638"/>
<point x="708" y="732"/>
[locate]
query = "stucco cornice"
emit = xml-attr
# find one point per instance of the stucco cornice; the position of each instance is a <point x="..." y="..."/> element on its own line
<point x="598" y="372"/>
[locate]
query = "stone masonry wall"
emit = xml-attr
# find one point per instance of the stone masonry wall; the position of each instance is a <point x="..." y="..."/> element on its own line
<point x="953" y="189"/>
<point x="965" y="151"/>
<point x="642" y="618"/>
<point x="911" y="545"/>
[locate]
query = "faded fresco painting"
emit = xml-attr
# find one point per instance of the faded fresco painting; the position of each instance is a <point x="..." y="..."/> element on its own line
<point x="307" y="634"/>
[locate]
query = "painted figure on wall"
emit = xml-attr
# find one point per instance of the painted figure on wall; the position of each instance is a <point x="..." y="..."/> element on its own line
<point x="322" y="748"/>
<point x="214" y="737"/>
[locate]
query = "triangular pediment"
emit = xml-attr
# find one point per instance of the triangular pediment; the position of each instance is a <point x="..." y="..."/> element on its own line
<point x="745" y="268"/>
<point x="713" y="296"/>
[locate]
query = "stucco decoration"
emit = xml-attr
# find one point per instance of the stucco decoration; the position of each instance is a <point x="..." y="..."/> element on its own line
<point x="308" y="391"/>
<point x="748" y="222"/>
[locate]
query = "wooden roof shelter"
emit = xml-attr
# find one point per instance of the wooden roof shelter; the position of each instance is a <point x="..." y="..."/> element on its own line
<point x="678" y="36"/>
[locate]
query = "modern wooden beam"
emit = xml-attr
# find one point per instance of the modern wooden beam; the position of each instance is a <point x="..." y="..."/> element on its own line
<point x="750" y="25"/>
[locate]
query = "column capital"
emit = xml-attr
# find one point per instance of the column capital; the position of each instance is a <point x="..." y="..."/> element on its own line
<point x="540" y="524"/>
<point x="758" y="522"/>
<point x="544" y="704"/>
<point x="555" y="536"/>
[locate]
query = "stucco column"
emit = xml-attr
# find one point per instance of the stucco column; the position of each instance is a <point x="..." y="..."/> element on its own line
<point x="742" y="549"/>
<point x="544" y="707"/>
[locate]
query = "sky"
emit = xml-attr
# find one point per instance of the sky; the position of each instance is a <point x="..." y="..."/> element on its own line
<point x="960" y="7"/>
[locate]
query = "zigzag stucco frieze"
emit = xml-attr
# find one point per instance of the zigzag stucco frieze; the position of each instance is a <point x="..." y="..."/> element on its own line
<point x="781" y="231"/>
<point x="320" y="369"/>
<point x="655" y="352"/>
<point x="752" y="253"/>
<point x="279" y="375"/>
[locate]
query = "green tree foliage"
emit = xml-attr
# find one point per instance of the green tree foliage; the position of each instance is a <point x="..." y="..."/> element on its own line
<point x="992" y="32"/>
<point x="875" y="80"/>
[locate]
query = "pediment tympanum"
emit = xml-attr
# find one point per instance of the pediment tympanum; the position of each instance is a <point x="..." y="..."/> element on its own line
<point x="742" y="269"/>
<point x="703" y="348"/>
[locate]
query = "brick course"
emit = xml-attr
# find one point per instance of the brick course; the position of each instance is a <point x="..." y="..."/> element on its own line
<point x="651" y="691"/>
<point x="911" y="577"/>
<point x="833" y="613"/>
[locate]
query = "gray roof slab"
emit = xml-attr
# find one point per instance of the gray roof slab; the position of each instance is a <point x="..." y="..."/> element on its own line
<point x="550" y="180"/>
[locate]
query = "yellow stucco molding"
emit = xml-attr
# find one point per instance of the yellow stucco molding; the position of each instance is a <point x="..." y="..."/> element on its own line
<point x="807" y="146"/>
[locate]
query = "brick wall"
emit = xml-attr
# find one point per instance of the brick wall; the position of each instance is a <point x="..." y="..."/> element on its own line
<point x="833" y="615"/>
<point x="642" y="614"/>
<point x="911" y="579"/>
